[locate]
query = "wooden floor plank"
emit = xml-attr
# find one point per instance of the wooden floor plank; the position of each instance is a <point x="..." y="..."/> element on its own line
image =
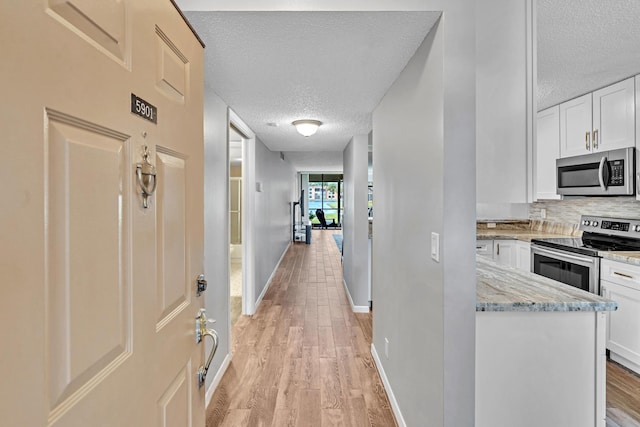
<point x="303" y="359"/>
<point x="623" y="395"/>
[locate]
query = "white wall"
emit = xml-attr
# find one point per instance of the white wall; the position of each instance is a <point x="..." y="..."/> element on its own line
<point x="355" y="222"/>
<point x="216" y="223"/>
<point x="424" y="174"/>
<point x="272" y="232"/>
<point x="505" y="101"/>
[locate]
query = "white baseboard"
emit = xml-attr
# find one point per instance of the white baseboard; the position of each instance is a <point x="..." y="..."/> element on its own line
<point x="216" y="380"/>
<point x="354" y="308"/>
<point x="273" y="273"/>
<point x="387" y="387"/>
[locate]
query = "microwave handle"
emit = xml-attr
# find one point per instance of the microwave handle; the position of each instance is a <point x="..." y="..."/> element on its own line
<point x="601" y="171"/>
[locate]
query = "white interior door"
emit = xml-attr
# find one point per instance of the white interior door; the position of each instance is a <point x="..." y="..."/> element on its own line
<point x="98" y="300"/>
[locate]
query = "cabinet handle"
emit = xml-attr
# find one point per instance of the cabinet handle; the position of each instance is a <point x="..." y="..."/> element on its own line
<point x="623" y="275"/>
<point x="498" y="249"/>
<point x="595" y="138"/>
<point x="586" y="140"/>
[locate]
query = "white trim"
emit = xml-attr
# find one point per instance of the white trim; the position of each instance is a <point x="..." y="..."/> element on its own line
<point x="248" y="212"/>
<point x="273" y="273"/>
<point x="216" y="380"/>
<point x="387" y="387"/>
<point x="354" y="308"/>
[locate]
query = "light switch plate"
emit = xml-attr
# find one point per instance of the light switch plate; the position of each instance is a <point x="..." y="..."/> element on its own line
<point x="435" y="247"/>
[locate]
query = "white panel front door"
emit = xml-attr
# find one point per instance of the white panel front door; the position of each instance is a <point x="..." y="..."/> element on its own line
<point x="98" y="300"/>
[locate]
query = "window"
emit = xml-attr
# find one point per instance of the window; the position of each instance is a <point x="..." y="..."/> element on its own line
<point x="325" y="192"/>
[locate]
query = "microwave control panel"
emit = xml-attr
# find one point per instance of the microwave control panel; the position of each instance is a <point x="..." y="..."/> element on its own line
<point x="617" y="172"/>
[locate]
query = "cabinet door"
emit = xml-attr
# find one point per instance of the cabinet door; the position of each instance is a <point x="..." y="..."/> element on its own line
<point x="547" y="151"/>
<point x="623" y="332"/>
<point x="523" y="256"/>
<point x="575" y="126"/>
<point x="484" y="248"/>
<point x="504" y="252"/>
<point x="614" y="116"/>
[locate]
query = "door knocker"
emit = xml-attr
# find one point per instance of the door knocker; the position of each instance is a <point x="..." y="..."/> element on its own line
<point x="146" y="174"/>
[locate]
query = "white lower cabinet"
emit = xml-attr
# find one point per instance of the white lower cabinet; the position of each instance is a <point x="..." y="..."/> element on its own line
<point x="505" y="252"/>
<point x="484" y="248"/>
<point x="514" y="253"/>
<point x="523" y="256"/>
<point x="620" y="282"/>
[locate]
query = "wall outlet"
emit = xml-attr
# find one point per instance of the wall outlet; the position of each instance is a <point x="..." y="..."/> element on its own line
<point x="386" y="347"/>
<point x="491" y="225"/>
<point x="543" y="213"/>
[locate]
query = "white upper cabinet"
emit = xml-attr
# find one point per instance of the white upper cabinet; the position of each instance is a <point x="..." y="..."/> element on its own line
<point x="547" y="150"/>
<point x="614" y="116"/>
<point x="599" y="121"/>
<point x="575" y="126"/>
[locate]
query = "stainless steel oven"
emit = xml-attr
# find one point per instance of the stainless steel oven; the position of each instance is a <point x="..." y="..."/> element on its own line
<point x="578" y="270"/>
<point x="575" y="261"/>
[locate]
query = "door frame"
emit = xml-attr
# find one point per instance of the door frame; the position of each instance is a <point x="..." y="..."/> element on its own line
<point x="247" y="217"/>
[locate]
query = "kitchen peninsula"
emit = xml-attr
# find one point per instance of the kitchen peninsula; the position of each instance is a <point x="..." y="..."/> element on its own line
<point x="540" y="350"/>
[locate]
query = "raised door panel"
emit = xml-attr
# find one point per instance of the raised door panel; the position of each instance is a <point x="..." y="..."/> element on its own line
<point x="173" y="292"/>
<point x="575" y="126"/>
<point x="102" y="23"/>
<point x="614" y="116"/>
<point x="547" y="151"/>
<point x="87" y="258"/>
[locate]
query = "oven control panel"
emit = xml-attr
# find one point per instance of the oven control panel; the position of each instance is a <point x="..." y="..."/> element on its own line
<point x="610" y="226"/>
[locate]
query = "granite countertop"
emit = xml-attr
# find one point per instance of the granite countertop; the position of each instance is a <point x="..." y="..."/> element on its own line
<point x="629" y="257"/>
<point x="502" y="288"/>
<point x="523" y="235"/>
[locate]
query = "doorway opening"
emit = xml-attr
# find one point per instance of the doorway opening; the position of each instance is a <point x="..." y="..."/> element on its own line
<point x="236" y="153"/>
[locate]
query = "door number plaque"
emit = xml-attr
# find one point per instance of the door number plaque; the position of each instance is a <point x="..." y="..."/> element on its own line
<point x="142" y="108"/>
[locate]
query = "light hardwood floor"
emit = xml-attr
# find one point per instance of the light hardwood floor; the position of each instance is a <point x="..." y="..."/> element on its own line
<point x="304" y="358"/>
<point x="623" y="396"/>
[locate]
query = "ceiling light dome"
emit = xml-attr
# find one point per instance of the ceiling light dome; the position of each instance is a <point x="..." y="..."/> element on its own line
<point x="307" y="127"/>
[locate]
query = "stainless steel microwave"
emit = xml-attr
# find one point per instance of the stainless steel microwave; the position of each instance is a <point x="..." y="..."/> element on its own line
<point x="606" y="173"/>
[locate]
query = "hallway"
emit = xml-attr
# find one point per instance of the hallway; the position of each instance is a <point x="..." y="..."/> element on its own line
<point x="304" y="358"/>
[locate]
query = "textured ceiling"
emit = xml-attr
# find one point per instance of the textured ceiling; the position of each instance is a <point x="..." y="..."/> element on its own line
<point x="276" y="67"/>
<point x="584" y="45"/>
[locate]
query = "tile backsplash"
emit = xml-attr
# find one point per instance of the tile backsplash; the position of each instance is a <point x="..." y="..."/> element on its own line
<point x="569" y="210"/>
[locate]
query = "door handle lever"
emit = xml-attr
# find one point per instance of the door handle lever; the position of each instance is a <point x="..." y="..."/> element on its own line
<point x="201" y="332"/>
<point x="202" y="370"/>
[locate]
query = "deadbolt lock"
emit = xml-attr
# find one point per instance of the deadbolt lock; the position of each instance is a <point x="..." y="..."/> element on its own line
<point x="202" y="285"/>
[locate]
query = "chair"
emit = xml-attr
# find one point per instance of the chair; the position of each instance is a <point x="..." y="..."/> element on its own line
<point x="320" y="216"/>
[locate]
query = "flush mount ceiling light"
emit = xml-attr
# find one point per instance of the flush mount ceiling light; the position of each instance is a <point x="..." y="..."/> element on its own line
<point x="307" y="127"/>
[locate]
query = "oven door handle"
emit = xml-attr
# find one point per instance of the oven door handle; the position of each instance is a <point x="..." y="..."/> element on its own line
<point x="562" y="256"/>
<point x="601" y="170"/>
